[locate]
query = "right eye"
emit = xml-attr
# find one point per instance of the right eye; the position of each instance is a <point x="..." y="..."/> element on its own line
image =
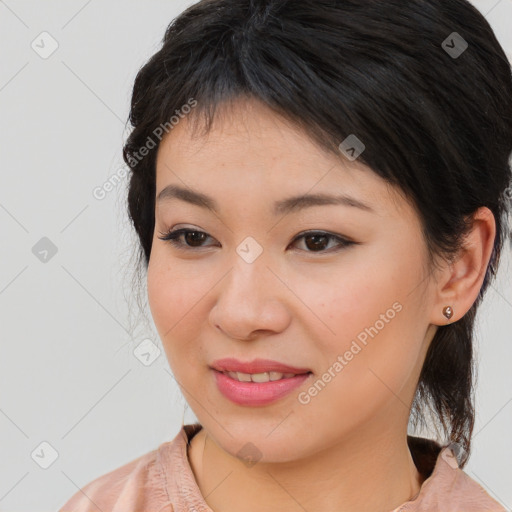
<point x="192" y="237"/>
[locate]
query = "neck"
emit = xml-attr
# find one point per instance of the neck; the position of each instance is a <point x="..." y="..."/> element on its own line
<point x="354" y="475"/>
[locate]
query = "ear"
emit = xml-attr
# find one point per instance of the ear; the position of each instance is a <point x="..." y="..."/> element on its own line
<point x="461" y="280"/>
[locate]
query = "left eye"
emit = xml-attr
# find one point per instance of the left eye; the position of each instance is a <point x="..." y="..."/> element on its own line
<point x="316" y="241"/>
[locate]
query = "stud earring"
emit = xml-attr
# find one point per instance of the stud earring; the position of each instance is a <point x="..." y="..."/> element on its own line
<point x="448" y="312"/>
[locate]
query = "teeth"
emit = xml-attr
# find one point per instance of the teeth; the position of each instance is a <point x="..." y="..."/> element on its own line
<point x="242" y="377"/>
<point x="259" y="377"/>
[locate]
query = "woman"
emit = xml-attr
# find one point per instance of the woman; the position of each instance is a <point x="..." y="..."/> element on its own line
<point x="320" y="194"/>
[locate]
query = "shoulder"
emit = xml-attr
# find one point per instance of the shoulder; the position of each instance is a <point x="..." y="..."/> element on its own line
<point x="449" y="488"/>
<point x="458" y="487"/>
<point x="137" y="485"/>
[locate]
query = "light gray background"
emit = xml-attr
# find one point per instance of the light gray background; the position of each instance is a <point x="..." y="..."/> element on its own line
<point x="68" y="375"/>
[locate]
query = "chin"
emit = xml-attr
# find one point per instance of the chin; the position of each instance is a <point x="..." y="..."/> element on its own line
<point x="262" y="442"/>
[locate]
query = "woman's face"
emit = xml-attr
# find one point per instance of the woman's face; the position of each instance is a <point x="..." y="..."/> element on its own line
<point x="250" y="286"/>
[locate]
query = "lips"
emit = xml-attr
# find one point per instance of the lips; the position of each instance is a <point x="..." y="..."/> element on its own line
<point x="256" y="366"/>
<point x="253" y="394"/>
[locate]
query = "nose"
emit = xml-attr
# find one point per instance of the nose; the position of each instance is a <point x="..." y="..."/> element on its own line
<point x="252" y="301"/>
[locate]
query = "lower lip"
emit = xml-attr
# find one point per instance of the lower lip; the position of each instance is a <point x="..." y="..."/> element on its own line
<point x="256" y="393"/>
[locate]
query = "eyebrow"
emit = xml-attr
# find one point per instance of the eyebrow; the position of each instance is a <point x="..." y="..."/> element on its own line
<point x="291" y="204"/>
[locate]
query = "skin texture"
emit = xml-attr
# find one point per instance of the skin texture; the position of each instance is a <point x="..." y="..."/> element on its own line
<point x="345" y="450"/>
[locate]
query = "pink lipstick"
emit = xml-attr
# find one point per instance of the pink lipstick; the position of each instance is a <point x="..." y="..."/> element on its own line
<point x="258" y="382"/>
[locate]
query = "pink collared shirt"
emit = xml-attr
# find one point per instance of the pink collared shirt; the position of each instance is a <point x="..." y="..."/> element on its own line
<point x="162" y="481"/>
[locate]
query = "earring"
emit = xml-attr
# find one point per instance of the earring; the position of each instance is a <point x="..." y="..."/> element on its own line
<point x="448" y="312"/>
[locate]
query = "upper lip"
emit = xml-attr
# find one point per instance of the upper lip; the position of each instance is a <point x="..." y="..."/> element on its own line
<point x="230" y="364"/>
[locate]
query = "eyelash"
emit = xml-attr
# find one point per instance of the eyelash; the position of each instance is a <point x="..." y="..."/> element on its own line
<point x="173" y="238"/>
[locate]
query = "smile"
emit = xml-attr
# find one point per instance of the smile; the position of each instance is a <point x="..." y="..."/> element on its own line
<point x="257" y="389"/>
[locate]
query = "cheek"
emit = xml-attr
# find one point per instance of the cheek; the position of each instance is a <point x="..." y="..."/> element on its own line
<point x="161" y="295"/>
<point x="181" y="294"/>
<point x="373" y="321"/>
<point x="175" y="303"/>
<point x="349" y="298"/>
<point x="173" y="288"/>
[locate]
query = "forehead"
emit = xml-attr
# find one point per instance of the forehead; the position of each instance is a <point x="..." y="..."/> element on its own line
<point x="242" y="129"/>
<point x="251" y="150"/>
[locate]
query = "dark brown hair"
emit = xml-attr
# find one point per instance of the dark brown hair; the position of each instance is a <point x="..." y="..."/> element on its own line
<point x="435" y="117"/>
